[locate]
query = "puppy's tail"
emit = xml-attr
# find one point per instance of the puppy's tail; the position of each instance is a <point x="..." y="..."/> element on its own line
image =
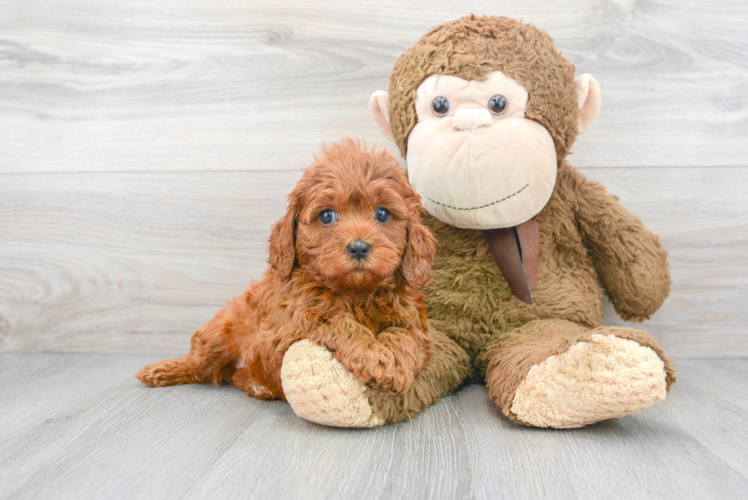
<point x="169" y="372"/>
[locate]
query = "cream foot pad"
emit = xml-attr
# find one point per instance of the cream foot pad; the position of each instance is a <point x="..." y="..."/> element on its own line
<point x="320" y="389"/>
<point x="604" y="378"/>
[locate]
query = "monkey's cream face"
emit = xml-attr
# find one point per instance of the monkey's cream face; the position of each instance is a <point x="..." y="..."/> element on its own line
<point x="474" y="158"/>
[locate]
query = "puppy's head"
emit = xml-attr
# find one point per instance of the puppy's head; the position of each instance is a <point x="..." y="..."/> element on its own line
<point x="353" y="223"/>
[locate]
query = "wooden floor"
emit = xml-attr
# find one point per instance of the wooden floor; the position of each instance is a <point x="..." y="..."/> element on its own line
<point x="79" y="426"/>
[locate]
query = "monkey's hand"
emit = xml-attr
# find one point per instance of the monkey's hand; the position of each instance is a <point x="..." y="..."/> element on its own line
<point x="320" y="389"/>
<point x="629" y="259"/>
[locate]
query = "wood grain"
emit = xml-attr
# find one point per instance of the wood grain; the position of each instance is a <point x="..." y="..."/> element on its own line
<point x="708" y="409"/>
<point x="136" y="262"/>
<point x="108" y="436"/>
<point x="147" y="146"/>
<point x="181" y="85"/>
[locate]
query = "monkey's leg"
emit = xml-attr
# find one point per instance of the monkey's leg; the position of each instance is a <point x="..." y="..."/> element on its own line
<point x="320" y="389"/>
<point x="555" y="373"/>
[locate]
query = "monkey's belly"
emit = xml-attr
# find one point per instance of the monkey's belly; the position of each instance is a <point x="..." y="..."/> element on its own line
<point x="471" y="302"/>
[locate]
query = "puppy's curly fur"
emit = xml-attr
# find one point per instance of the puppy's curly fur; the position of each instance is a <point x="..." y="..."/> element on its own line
<point x="367" y="311"/>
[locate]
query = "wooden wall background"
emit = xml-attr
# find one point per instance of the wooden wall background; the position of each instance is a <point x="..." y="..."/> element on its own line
<point x="147" y="146"/>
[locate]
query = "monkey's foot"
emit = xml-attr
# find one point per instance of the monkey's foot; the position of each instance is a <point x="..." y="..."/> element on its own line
<point x="320" y="389"/>
<point x="599" y="379"/>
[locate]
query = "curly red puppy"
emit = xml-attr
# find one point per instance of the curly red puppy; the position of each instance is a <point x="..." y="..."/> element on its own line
<point x="346" y="261"/>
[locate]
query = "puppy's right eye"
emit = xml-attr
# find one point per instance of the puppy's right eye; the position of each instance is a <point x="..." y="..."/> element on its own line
<point x="327" y="216"/>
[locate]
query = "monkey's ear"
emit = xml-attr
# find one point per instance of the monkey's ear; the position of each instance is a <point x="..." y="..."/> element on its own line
<point x="379" y="105"/>
<point x="283" y="241"/>
<point x="588" y="97"/>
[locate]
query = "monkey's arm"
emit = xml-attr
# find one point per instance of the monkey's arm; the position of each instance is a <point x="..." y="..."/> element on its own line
<point x="629" y="259"/>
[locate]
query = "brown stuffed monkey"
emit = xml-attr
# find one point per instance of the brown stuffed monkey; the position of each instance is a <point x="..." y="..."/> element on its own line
<point x="485" y="111"/>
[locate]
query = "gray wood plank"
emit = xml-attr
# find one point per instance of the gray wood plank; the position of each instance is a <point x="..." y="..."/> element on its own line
<point x="137" y="262"/>
<point x="34" y="388"/>
<point x="120" y="439"/>
<point x="710" y="406"/>
<point x="646" y="455"/>
<point x="184" y="85"/>
<point x="137" y="257"/>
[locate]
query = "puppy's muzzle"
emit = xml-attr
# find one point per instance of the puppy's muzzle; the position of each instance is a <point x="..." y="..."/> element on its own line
<point x="358" y="249"/>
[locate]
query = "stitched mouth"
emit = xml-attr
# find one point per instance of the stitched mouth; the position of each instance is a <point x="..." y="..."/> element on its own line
<point x="482" y="206"/>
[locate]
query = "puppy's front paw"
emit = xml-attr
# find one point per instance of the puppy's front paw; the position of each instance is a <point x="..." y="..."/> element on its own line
<point x="398" y="382"/>
<point x="320" y="389"/>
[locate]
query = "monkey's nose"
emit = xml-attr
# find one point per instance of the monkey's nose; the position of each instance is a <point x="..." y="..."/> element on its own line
<point x="358" y="249"/>
<point x="471" y="119"/>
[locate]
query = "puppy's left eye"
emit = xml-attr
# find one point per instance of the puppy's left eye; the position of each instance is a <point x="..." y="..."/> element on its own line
<point x="382" y="215"/>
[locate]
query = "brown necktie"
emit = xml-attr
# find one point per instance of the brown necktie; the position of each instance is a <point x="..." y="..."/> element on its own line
<point x="517" y="252"/>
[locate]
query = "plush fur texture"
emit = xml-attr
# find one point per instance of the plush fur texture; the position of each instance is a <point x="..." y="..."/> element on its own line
<point x="367" y="312"/>
<point x="587" y="237"/>
<point x="509" y="358"/>
<point x="605" y="377"/>
<point x="321" y="390"/>
<point x="581" y="227"/>
<point x="445" y="372"/>
<point x="466" y="164"/>
<point x="338" y="397"/>
<point x="585" y="234"/>
<point x="473" y="47"/>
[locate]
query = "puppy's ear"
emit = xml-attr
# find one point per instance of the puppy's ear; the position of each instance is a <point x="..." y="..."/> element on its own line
<point x="282" y="238"/>
<point x="419" y="255"/>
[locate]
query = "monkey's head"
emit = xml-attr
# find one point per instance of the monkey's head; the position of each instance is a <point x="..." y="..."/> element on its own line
<point x="484" y="110"/>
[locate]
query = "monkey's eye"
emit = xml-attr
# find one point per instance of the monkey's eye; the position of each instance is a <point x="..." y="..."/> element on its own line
<point x="497" y="104"/>
<point x="440" y="106"/>
<point x="382" y="215"/>
<point x="328" y="216"/>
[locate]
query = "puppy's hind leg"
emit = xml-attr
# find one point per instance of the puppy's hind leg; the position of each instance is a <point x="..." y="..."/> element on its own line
<point x="168" y="372"/>
<point x="244" y="380"/>
<point x="210" y="360"/>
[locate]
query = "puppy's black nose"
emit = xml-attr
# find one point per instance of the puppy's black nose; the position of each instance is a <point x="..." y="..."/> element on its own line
<point x="358" y="249"/>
